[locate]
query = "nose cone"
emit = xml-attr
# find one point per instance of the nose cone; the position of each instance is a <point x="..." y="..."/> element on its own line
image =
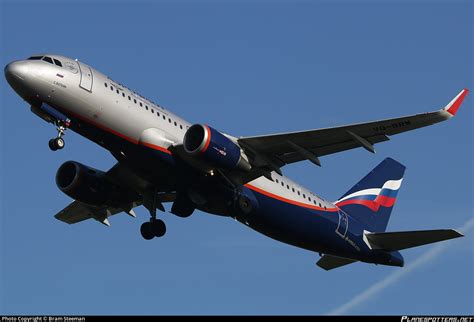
<point x="17" y="76"/>
<point x="16" y="72"/>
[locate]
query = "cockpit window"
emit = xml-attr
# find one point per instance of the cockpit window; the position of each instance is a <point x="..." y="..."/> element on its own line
<point x="57" y="62"/>
<point x="48" y="59"/>
<point x="35" y="57"/>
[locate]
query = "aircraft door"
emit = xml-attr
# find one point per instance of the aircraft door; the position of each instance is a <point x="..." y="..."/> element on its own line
<point x="343" y="224"/>
<point x="86" y="77"/>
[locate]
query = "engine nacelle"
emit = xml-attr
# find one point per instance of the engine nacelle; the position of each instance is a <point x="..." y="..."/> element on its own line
<point x="86" y="184"/>
<point x="205" y="142"/>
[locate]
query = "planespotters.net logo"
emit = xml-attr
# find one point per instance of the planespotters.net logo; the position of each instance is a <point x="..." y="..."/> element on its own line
<point x="437" y="319"/>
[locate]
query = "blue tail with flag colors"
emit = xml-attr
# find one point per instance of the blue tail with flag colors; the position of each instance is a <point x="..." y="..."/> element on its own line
<point x="372" y="199"/>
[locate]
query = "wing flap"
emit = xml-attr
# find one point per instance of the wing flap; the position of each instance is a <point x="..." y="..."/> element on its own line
<point x="328" y="262"/>
<point x="391" y="241"/>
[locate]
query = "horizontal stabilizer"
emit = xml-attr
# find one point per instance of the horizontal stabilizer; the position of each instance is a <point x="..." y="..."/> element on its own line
<point x="328" y="262"/>
<point x="392" y="241"/>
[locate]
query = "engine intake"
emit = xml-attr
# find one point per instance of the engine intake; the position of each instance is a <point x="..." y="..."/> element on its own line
<point x="86" y="184"/>
<point x="205" y="142"/>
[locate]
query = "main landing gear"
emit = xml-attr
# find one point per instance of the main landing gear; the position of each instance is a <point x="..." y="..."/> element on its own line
<point x="58" y="142"/>
<point x="155" y="227"/>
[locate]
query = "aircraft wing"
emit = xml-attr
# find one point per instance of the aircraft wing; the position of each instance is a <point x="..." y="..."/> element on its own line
<point x="277" y="150"/>
<point x="77" y="211"/>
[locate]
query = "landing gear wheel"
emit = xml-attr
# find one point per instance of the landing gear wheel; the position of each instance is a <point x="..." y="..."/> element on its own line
<point x="56" y="144"/>
<point x="59" y="142"/>
<point x="158" y="227"/>
<point x="52" y="145"/>
<point x="147" y="231"/>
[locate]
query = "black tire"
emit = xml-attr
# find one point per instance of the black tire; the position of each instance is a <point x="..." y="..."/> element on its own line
<point x="52" y="145"/>
<point x="59" y="143"/>
<point x="158" y="228"/>
<point x="146" y="231"/>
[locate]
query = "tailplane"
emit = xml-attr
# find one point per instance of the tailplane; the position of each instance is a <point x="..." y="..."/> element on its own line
<point x="372" y="199"/>
<point x="406" y="239"/>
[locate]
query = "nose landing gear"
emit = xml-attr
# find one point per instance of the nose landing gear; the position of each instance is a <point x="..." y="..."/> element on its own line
<point x="58" y="142"/>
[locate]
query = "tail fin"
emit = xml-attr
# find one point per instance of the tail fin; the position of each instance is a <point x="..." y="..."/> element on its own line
<point x="371" y="200"/>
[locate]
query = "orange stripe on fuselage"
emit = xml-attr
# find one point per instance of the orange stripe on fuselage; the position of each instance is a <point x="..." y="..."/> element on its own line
<point x="293" y="202"/>
<point x="120" y="135"/>
<point x="156" y="147"/>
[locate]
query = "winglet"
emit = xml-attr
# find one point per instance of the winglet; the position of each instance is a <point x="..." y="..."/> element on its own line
<point x="454" y="105"/>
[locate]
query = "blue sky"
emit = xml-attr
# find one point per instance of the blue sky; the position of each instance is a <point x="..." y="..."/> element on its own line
<point x="248" y="68"/>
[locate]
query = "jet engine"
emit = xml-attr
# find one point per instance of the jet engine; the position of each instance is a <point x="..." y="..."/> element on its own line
<point x="86" y="184"/>
<point x="204" y="142"/>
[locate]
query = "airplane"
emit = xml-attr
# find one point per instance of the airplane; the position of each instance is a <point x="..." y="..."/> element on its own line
<point x="161" y="158"/>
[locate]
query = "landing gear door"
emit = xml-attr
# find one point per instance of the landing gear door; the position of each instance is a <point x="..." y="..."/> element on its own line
<point x="86" y="77"/>
<point x="343" y="224"/>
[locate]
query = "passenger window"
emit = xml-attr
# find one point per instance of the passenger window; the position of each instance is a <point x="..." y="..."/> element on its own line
<point x="123" y="94"/>
<point x="105" y="84"/>
<point x="117" y="91"/>
<point x="129" y="98"/>
<point x="304" y="196"/>
<point x="135" y="101"/>
<point x="141" y="104"/>
<point x="175" y="124"/>
<point x="48" y="59"/>
<point x="111" y="88"/>
<point x="169" y="120"/>
<point x="164" y="117"/>
<point x="180" y="126"/>
<point x="288" y="187"/>
<point x="309" y="198"/>
<point x="293" y="189"/>
<point x="157" y="113"/>
<point x="299" y="193"/>
<point x="57" y="62"/>
<point x="276" y="180"/>
<point x="282" y="184"/>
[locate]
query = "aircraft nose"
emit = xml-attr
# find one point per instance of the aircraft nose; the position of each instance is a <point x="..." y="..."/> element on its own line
<point x="16" y="72"/>
<point x="17" y="75"/>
